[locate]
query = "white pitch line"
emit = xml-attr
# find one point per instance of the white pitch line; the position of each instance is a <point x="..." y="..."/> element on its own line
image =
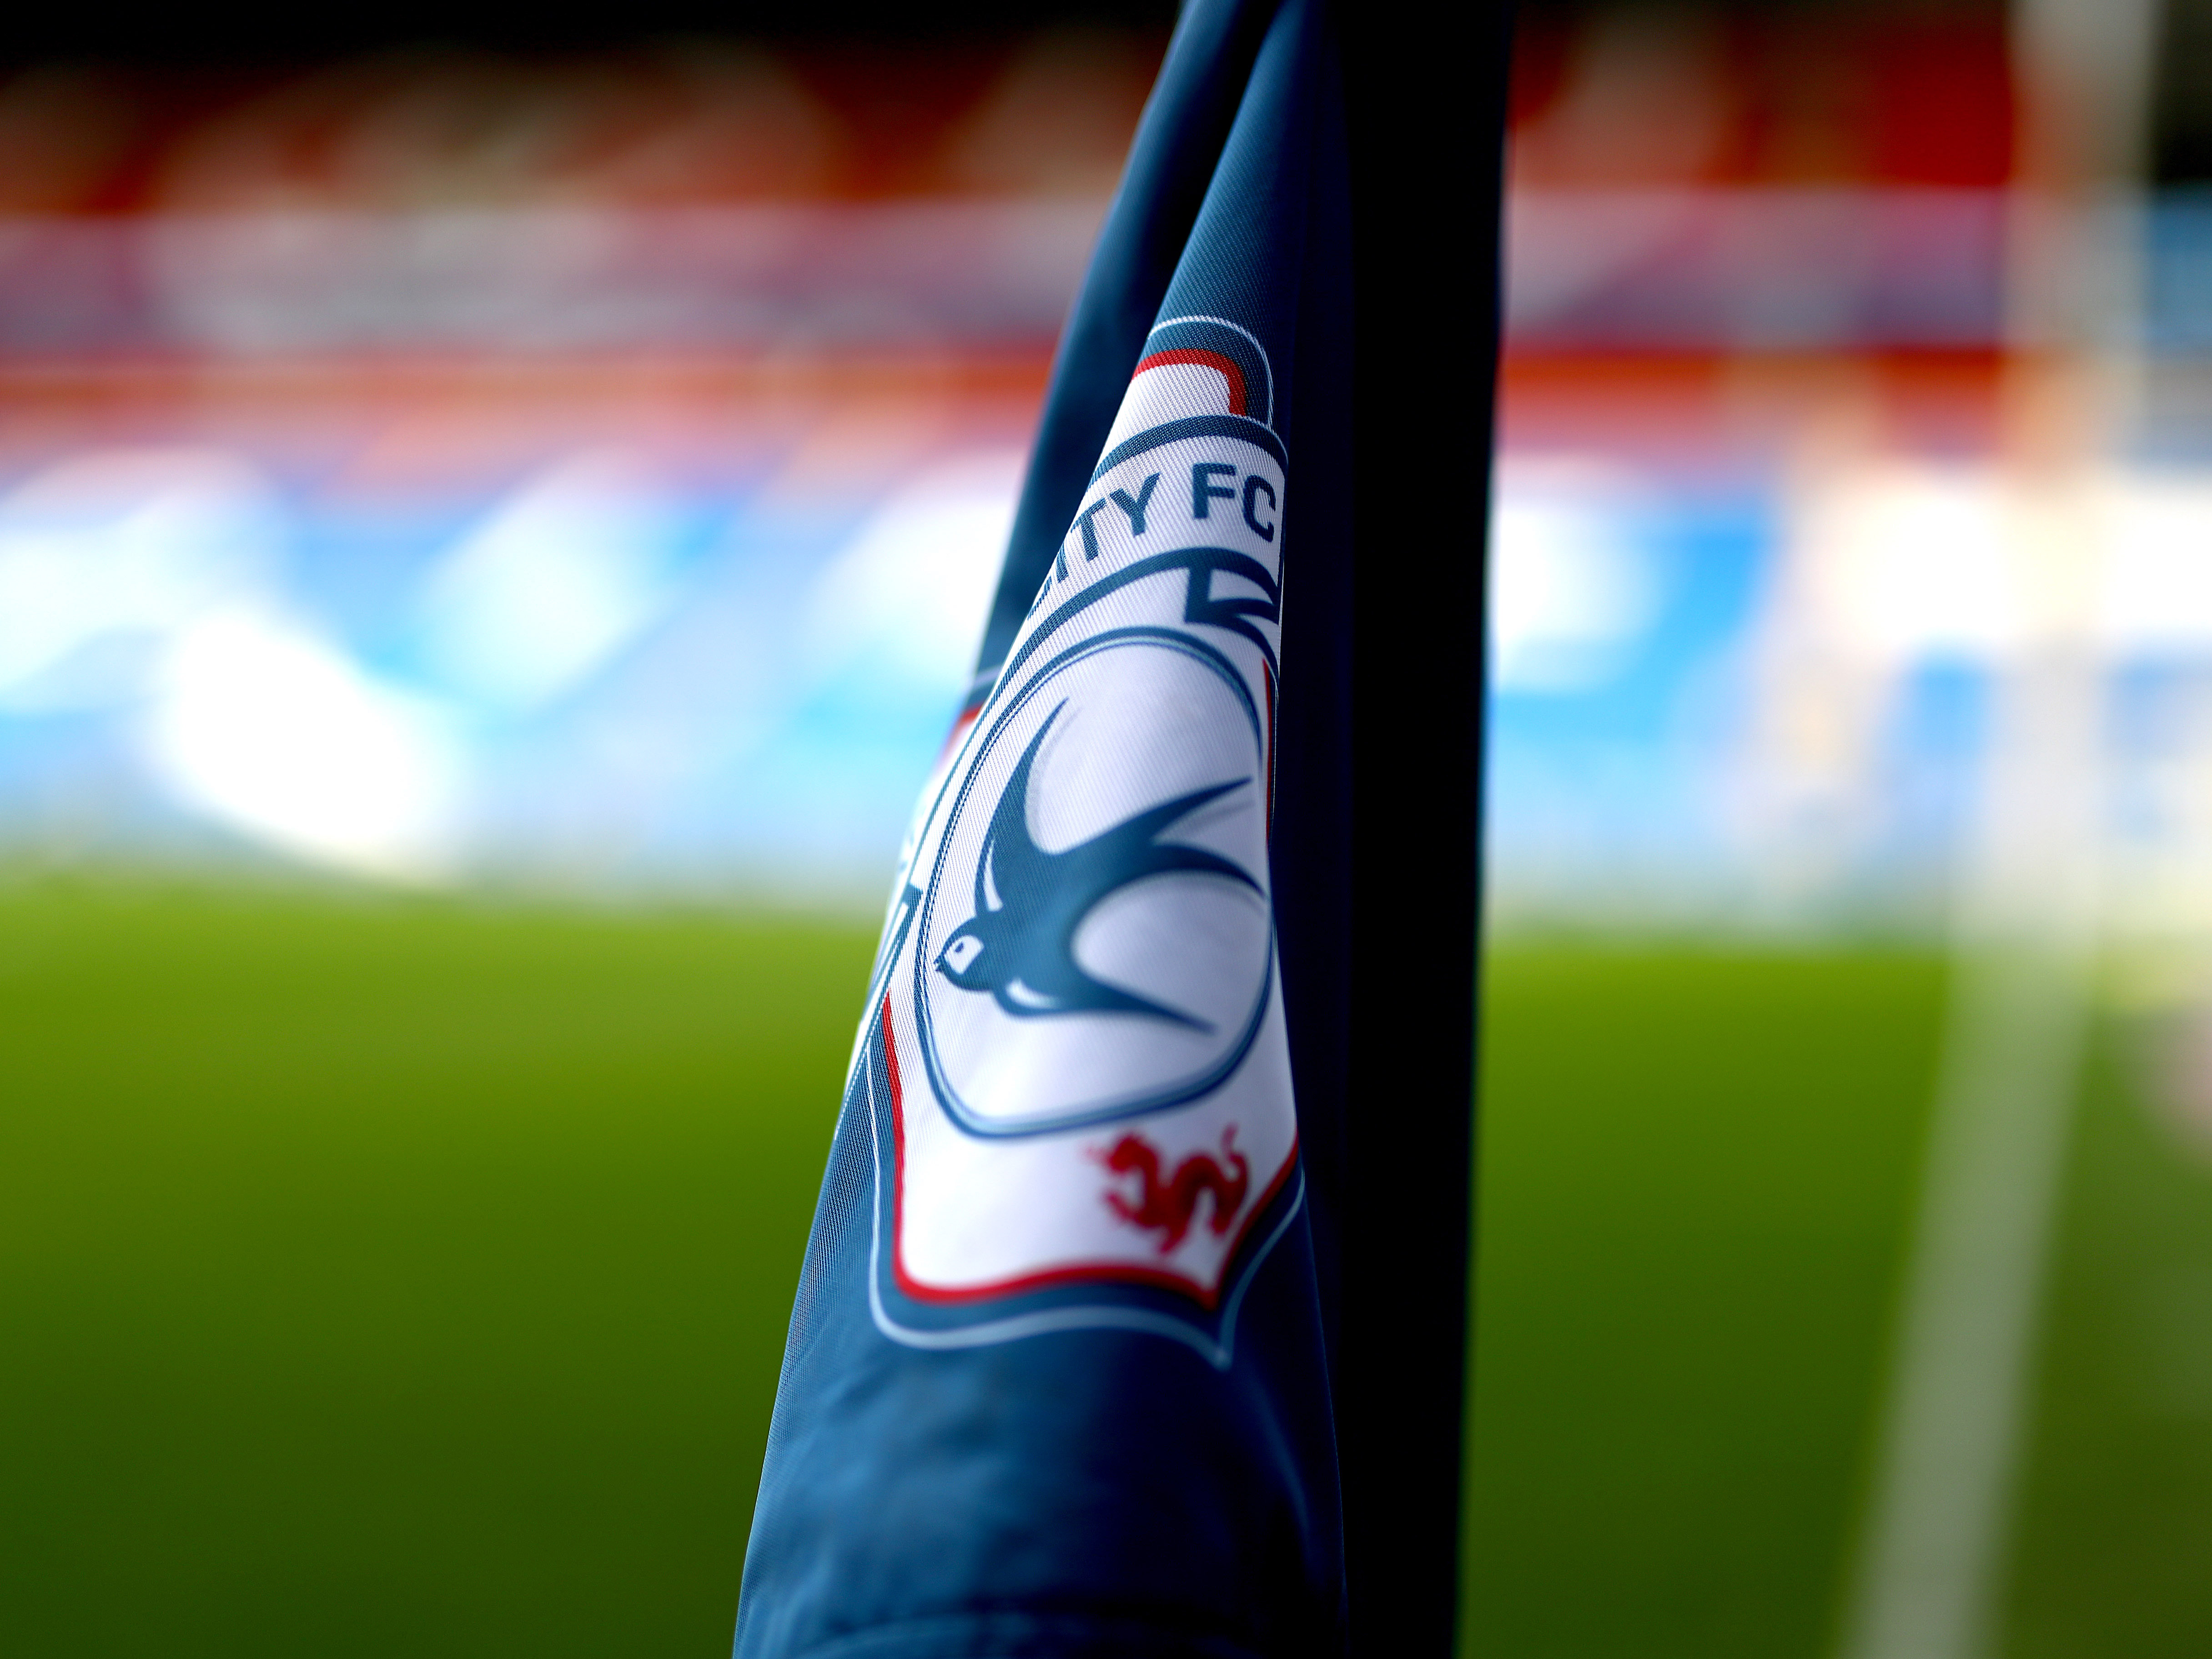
<point x="1931" y="1569"/>
<point x="1959" y="1395"/>
<point x="1931" y="1563"/>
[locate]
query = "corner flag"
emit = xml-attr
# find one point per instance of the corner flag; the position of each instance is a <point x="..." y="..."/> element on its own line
<point x="1067" y="1369"/>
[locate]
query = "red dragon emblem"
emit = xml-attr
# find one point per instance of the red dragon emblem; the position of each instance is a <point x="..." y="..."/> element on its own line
<point x="1169" y="1206"/>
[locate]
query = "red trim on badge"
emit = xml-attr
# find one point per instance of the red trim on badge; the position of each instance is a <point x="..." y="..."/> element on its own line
<point x="1111" y="1272"/>
<point x="1226" y="366"/>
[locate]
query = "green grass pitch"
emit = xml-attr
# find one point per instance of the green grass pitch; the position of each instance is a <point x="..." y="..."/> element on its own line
<point x="385" y="1276"/>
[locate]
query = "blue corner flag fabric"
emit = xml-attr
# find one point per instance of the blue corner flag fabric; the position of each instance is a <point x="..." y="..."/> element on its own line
<point x="1058" y="1377"/>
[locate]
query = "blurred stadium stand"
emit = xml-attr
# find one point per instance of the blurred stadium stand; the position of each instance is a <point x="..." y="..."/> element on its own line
<point x="761" y="295"/>
<point x="604" y="446"/>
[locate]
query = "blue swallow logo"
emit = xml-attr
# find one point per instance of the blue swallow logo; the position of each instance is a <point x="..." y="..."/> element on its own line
<point x="1020" y="944"/>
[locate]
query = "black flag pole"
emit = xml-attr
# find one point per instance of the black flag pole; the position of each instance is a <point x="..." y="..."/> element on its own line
<point x="1426" y="117"/>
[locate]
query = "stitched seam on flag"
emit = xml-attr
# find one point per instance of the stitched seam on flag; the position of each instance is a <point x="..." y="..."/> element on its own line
<point x="1267" y="670"/>
<point x="1215" y="1353"/>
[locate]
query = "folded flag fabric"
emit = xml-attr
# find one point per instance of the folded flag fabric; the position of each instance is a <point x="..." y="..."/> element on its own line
<point x="1058" y="1379"/>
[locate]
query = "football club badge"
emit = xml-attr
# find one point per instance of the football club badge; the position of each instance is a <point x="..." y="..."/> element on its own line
<point x="1075" y="1065"/>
